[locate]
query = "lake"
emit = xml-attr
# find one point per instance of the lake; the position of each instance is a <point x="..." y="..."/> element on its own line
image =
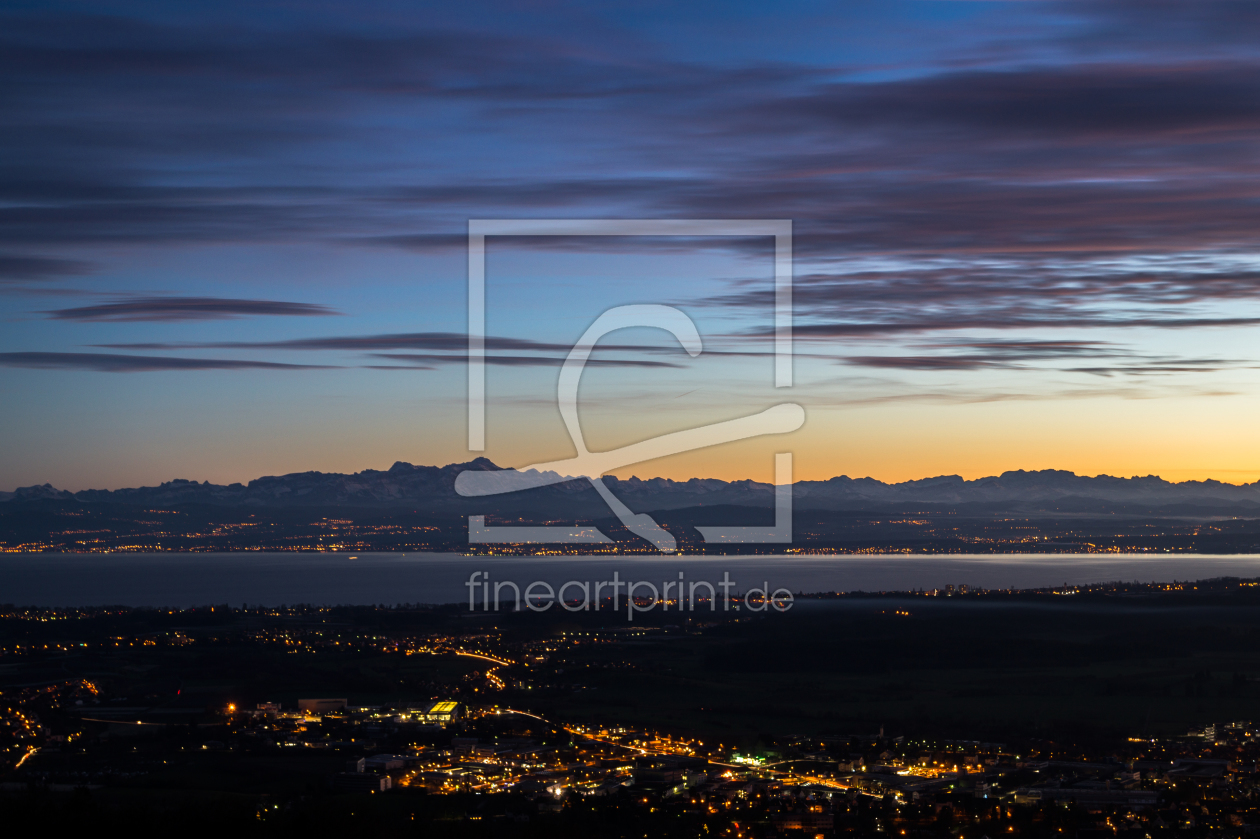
<point x="191" y="579"/>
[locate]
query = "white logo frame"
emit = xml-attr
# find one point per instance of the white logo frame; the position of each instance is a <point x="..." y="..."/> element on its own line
<point x="779" y="419"/>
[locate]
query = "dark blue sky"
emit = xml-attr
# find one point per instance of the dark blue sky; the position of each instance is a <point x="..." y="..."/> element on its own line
<point x="1026" y="232"/>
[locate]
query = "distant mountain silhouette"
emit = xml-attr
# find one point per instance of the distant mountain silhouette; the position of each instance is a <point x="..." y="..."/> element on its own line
<point x="432" y="488"/>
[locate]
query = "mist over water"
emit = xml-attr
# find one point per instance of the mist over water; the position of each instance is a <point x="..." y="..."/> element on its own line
<point x="186" y="579"/>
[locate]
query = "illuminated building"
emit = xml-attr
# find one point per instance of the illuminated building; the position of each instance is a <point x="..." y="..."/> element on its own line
<point x="442" y="712"/>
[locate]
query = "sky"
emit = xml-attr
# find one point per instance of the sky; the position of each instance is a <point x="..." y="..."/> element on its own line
<point x="233" y="236"/>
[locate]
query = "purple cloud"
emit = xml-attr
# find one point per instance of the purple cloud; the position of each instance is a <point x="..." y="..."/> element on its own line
<point x="114" y="363"/>
<point x="187" y="308"/>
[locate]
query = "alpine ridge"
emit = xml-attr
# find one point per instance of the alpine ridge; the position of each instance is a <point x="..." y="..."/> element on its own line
<point x="432" y="487"/>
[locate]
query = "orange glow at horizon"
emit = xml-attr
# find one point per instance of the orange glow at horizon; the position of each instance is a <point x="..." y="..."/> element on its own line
<point x="1176" y="439"/>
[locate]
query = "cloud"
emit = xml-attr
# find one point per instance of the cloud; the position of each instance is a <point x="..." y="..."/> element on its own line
<point x="1129" y="153"/>
<point x="1095" y="101"/>
<point x="1202" y="365"/>
<point x="113" y="363"/>
<point x="896" y="295"/>
<point x="1031" y="348"/>
<point x="443" y="348"/>
<point x="26" y="268"/>
<point x="925" y="362"/>
<point x="520" y="360"/>
<point x="439" y="341"/>
<point x="990" y="354"/>
<point x="968" y="396"/>
<point x="981" y="362"/>
<point x="577" y="192"/>
<point x="1042" y="355"/>
<point x="828" y="331"/>
<point x="388" y="341"/>
<point x="1164" y="26"/>
<point x="258" y="112"/>
<point x="994" y="192"/>
<point x="187" y="308"/>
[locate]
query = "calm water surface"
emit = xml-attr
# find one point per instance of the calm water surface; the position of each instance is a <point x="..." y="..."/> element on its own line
<point x="178" y="580"/>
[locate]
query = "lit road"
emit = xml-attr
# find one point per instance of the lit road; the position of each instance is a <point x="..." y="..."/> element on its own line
<point x="641" y="749"/>
<point x="492" y="677"/>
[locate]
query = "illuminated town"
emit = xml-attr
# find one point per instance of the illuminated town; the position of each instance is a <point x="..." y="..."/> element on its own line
<point x="74" y="527"/>
<point x="520" y="723"/>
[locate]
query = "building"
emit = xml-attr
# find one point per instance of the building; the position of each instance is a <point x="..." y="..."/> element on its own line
<point x="464" y="745"/>
<point x="442" y="712"/>
<point x="384" y="763"/>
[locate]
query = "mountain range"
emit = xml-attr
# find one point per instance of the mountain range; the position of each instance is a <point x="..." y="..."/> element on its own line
<point x="404" y="485"/>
